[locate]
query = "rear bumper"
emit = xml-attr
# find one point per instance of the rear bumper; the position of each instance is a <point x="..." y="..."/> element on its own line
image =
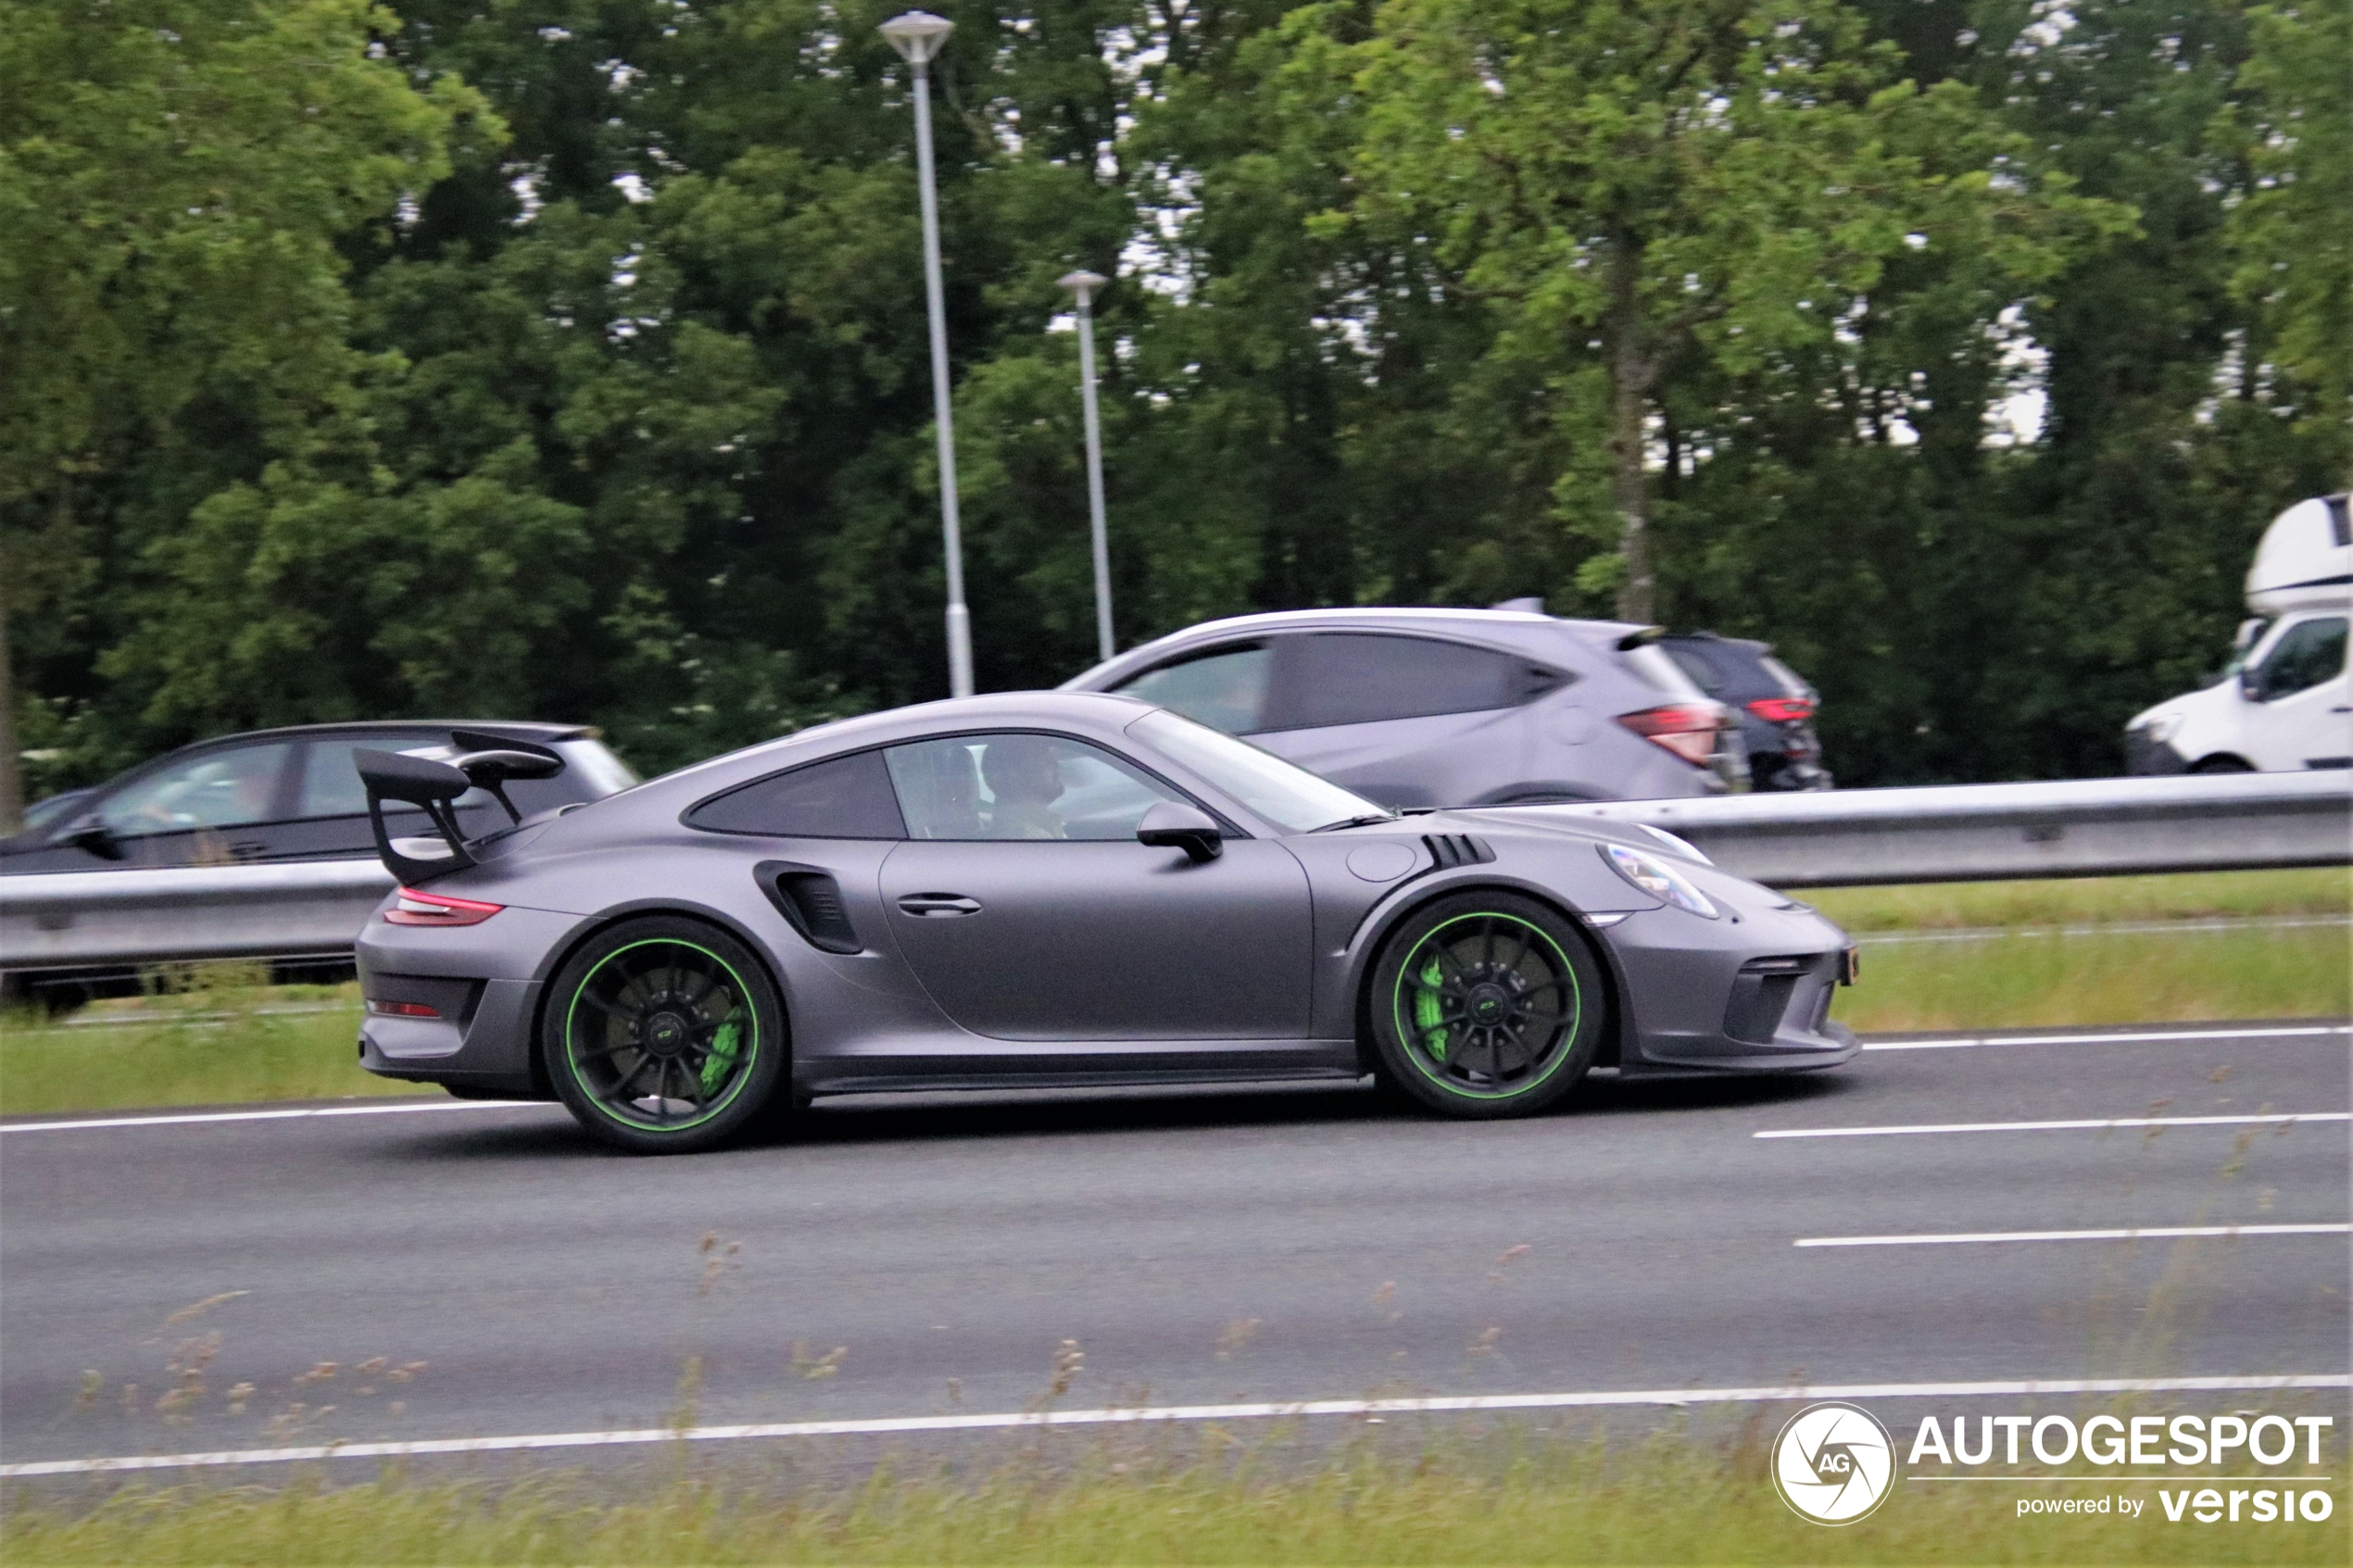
<point x="483" y="1042"/>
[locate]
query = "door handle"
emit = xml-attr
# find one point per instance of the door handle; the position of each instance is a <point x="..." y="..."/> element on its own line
<point x="936" y="904"/>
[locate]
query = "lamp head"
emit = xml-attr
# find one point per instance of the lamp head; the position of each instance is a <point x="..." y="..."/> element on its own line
<point x="917" y="35"/>
<point x="1081" y="284"/>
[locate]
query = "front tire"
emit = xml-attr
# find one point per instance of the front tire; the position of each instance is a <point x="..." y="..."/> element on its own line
<point x="663" y="1035"/>
<point x="1486" y="1004"/>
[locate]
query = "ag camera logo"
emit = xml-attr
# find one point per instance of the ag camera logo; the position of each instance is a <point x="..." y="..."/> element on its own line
<point x="1833" y="1463"/>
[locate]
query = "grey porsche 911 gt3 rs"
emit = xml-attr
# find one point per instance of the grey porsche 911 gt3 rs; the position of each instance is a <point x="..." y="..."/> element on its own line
<point x="1051" y="889"/>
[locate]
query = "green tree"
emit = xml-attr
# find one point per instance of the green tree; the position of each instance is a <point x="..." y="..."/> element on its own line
<point x="173" y="178"/>
<point x="1642" y="181"/>
<point x="2291" y="232"/>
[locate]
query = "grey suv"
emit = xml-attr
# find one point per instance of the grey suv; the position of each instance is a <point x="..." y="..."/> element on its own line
<point x="1447" y="706"/>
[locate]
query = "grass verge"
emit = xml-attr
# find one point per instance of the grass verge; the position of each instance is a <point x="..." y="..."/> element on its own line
<point x="2088" y="900"/>
<point x="2058" y="980"/>
<point x="1669" y="1500"/>
<point x="219" y="1039"/>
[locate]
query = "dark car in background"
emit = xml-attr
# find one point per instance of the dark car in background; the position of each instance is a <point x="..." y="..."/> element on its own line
<point x="1447" y="707"/>
<point x="1775" y="705"/>
<point x="51" y="810"/>
<point x="283" y="795"/>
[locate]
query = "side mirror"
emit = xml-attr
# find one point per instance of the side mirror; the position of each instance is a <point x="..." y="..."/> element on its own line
<point x="2249" y="629"/>
<point x="89" y="832"/>
<point x="1174" y="825"/>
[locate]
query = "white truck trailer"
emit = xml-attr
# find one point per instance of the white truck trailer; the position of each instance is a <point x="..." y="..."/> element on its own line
<point x="2284" y="700"/>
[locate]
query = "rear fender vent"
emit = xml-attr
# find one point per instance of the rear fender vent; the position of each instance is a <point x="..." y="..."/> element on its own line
<point x="1448" y="850"/>
<point x="810" y="902"/>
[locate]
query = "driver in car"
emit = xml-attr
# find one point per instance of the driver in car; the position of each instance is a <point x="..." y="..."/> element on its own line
<point x="1024" y="775"/>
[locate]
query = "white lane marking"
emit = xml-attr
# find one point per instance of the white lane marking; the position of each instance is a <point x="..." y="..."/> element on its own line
<point x="2112" y="928"/>
<point x="392" y="1107"/>
<point x="1136" y="1414"/>
<point x="2281" y="1118"/>
<point x="1950" y="1238"/>
<point x="1964" y="1042"/>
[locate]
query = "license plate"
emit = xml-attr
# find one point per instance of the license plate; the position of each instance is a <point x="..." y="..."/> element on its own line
<point x="1850" y="966"/>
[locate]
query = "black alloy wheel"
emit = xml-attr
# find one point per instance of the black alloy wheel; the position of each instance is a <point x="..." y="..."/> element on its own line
<point x="1486" y="1004"/>
<point x="664" y="1035"/>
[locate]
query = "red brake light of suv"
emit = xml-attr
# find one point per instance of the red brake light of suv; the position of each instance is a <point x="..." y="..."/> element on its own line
<point x="438" y="908"/>
<point x="1686" y="729"/>
<point x="1781" y="709"/>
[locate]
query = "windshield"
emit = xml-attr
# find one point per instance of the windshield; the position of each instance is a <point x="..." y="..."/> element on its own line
<point x="1286" y="795"/>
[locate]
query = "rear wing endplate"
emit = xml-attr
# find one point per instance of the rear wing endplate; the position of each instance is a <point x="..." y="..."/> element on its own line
<point x="481" y="761"/>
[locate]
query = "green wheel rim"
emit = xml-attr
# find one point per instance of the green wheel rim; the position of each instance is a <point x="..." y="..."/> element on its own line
<point x="661" y="1035"/>
<point x="1486" y="1006"/>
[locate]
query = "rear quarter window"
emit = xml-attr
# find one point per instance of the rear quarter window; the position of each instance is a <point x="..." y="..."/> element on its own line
<point x="842" y="797"/>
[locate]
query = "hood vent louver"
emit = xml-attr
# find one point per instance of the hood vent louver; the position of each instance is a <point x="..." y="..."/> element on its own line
<point x="1448" y="850"/>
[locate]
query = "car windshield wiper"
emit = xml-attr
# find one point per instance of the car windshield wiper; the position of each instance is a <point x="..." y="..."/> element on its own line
<point x="1356" y="823"/>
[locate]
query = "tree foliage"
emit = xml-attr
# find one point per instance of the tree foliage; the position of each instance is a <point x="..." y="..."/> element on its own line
<point x="567" y="360"/>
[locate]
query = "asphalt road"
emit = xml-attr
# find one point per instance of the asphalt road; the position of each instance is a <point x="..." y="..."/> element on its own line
<point x="1202" y="1246"/>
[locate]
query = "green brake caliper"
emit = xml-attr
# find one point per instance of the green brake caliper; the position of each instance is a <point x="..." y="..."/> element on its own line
<point x="1429" y="1009"/>
<point x="723" y="1055"/>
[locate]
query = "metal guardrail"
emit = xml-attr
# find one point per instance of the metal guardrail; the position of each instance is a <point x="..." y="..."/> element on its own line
<point x="1963" y="832"/>
<point x="1984" y="832"/>
<point x="68" y="919"/>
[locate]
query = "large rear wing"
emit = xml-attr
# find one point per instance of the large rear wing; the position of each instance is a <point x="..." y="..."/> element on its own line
<point x="481" y="761"/>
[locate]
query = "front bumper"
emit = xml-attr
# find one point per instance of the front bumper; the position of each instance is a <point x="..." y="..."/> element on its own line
<point x="2143" y="756"/>
<point x="1751" y="995"/>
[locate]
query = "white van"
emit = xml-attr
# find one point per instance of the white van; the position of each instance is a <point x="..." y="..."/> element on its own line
<point x="2284" y="700"/>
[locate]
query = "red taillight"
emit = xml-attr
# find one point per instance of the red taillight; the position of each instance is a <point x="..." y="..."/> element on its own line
<point x="403" y="1009"/>
<point x="438" y="908"/>
<point x="1781" y="709"/>
<point x="1687" y="730"/>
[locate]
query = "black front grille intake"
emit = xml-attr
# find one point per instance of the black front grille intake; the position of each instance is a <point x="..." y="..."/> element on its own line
<point x="1761" y="995"/>
<point x="1448" y="850"/>
<point x="810" y="902"/>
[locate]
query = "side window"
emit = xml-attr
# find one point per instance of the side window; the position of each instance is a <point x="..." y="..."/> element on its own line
<point x="1359" y="678"/>
<point x="2307" y="653"/>
<point x="846" y="797"/>
<point x="1695" y="664"/>
<point x="220" y="789"/>
<point x="331" y="785"/>
<point x="1225" y="689"/>
<point x="1020" y="786"/>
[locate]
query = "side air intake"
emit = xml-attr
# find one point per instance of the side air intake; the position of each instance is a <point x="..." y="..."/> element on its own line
<point x="810" y="902"/>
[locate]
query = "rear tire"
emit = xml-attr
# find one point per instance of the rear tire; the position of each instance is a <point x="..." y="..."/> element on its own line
<point x="663" y="1035"/>
<point x="1486" y="1005"/>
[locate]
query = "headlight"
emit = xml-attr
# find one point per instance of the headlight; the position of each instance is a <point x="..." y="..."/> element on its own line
<point x="1654" y="877"/>
<point x="2162" y="728"/>
<point x="1675" y="842"/>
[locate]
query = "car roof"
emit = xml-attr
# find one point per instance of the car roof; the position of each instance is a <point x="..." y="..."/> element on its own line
<point x="1516" y="628"/>
<point x="1747" y="645"/>
<point x="1104" y="713"/>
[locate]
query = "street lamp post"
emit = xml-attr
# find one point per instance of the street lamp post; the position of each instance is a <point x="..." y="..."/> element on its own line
<point x="1083" y="285"/>
<point x="919" y="36"/>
